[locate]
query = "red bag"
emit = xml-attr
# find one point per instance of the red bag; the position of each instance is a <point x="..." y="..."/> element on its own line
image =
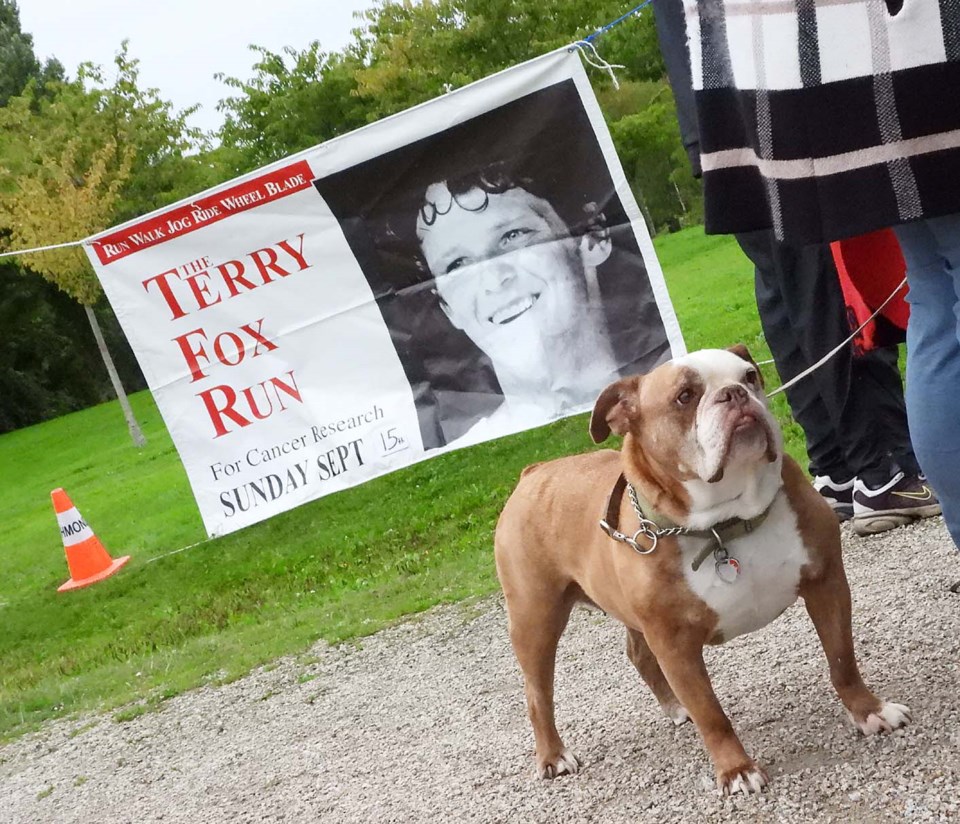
<point x="871" y="266"/>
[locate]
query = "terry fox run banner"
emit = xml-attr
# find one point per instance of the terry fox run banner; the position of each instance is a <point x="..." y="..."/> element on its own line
<point x="470" y="268"/>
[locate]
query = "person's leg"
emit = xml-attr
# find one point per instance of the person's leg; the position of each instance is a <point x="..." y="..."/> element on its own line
<point x="879" y="375"/>
<point x="876" y="382"/>
<point x="814" y="302"/>
<point x="896" y="494"/>
<point x="851" y="409"/>
<point x="818" y="421"/>
<point x="932" y="251"/>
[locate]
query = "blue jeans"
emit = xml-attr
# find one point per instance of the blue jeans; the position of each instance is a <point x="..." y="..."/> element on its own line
<point x="932" y="251"/>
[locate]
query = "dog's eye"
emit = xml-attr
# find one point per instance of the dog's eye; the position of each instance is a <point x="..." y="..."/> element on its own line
<point x="752" y="377"/>
<point x="685" y="397"/>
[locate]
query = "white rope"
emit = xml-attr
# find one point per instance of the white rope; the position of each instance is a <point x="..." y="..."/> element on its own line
<point x="834" y="351"/>
<point x="44" y="248"/>
<point x="175" y="551"/>
<point x="599" y="63"/>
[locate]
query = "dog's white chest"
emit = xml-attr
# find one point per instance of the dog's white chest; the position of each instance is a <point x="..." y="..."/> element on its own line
<point x="770" y="561"/>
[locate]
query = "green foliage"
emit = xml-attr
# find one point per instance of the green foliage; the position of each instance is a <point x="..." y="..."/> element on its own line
<point x="45" y="368"/>
<point x="337" y="568"/>
<point x="82" y="155"/>
<point x="656" y="164"/>
<point x="60" y="194"/>
<point x="421" y="50"/>
<point x="166" y="154"/>
<point x="633" y="44"/>
<point x="403" y="54"/>
<point x="295" y="100"/>
<point x="633" y="96"/>
<point x="18" y="63"/>
<point x="42" y="374"/>
<point x="75" y="157"/>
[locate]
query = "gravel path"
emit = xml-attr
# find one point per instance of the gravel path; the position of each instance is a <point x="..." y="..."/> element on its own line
<point x="426" y="722"/>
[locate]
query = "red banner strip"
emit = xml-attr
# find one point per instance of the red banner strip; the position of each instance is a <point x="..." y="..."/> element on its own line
<point x="200" y="213"/>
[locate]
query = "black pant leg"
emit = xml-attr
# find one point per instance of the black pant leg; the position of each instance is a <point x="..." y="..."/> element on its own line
<point x="799" y="293"/>
<point x="819" y="424"/>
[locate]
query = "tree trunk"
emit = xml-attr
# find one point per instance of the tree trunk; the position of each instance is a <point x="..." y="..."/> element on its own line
<point x="683" y="205"/>
<point x="135" y="433"/>
<point x="646" y="214"/>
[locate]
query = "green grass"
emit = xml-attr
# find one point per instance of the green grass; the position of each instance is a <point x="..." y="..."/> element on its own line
<point x="338" y="568"/>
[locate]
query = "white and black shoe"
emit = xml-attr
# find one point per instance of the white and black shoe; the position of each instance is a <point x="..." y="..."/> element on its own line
<point x="902" y="500"/>
<point x="839" y="496"/>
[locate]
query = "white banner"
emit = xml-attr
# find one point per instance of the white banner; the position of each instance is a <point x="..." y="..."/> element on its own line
<point x="470" y="268"/>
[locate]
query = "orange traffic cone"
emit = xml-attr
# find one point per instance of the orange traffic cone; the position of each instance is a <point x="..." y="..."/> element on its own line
<point x="87" y="560"/>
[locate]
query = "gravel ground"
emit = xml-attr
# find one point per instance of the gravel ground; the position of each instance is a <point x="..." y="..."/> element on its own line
<point x="426" y="722"/>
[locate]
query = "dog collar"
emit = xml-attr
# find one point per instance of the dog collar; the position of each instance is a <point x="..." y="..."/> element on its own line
<point x="655" y="525"/>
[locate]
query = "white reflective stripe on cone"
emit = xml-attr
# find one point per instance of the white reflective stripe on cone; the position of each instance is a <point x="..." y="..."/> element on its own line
<point x="73" y="529"/>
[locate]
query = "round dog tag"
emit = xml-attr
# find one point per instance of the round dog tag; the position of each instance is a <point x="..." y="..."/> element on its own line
<point x="728" y="569"/>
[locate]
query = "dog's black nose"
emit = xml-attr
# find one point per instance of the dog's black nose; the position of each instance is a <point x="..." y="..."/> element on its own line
<point x="732" y="394"/>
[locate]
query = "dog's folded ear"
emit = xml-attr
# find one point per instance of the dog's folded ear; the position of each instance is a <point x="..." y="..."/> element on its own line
<point x="615" y="409"/>
<point x="741" y="351"/>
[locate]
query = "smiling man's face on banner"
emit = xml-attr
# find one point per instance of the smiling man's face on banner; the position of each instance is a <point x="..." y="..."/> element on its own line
<point x="507" y="271"/>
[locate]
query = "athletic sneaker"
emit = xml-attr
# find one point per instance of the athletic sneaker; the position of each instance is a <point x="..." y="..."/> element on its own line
<point x="839" y="496"/>
<point x="904" y="498"/>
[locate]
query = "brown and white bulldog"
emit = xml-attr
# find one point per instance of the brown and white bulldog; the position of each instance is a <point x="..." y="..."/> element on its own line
<point x="701" y="450"/>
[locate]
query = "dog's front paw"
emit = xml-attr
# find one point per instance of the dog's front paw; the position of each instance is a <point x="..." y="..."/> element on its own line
<point x="888" y="718"/>
<point x="746" y="779"/>
<point x="566" y="763"/>
<point x="677" y="714"/>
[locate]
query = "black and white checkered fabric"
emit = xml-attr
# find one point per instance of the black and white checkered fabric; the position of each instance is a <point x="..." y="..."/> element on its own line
<point x="826" y="118"/>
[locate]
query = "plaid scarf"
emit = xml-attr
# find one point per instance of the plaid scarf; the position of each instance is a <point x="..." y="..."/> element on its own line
<point x="825" y="119"/>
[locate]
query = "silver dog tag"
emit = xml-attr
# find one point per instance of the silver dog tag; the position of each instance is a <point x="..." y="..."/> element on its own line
<point x="728" y="569"/>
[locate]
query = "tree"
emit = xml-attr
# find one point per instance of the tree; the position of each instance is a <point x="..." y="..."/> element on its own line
<point x="295" y="100"/>
<point x="404" y="53"/>
<point x="64" y="196"/>
<point x="421" y="50"/>
<point x="170" y="160"/>
<point x="40" y="375"/>
<point x="647" y="138"/>
<point x="43" y="374"/>
<point x="18" y="63"/>
<point x="76" y="160"/>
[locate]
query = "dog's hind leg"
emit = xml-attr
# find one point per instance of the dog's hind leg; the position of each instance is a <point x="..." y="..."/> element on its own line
<point x="536" y="624"/>
<point x="649" y="668"/>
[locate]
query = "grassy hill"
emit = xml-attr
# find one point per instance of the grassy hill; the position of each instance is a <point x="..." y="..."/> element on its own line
<point x="337" y="568"/>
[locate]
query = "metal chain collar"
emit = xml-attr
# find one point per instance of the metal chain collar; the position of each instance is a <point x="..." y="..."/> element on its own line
<point x="648" y="529"/>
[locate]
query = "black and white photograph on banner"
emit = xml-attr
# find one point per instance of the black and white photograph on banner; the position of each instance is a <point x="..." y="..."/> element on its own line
<point x="504" y="265"/>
